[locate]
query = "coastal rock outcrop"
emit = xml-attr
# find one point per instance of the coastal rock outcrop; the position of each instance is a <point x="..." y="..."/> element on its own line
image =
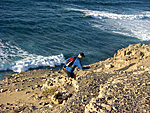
<point x="117" y="84"/>
<point x="126" y="59"/>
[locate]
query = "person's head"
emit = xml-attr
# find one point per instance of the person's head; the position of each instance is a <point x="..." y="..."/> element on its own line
<point x="81" y="55"/>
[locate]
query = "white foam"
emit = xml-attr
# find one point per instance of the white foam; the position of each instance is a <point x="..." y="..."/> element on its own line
<point x="129" y="25"/>
<point x="25" y="60"/>
<point x="108" y="15"/>
<point x="135" y="25"/>
<point x="36" y="61"/>
<point x="134" y="28"/>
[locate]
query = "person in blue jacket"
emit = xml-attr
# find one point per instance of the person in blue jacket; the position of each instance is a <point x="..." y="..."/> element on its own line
<point x="77" y="63"/>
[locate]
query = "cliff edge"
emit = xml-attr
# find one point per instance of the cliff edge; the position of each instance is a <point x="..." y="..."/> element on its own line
<point x="118" y="84"/>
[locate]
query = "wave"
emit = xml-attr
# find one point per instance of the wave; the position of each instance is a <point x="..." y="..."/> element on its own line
<point x="108" y="15"/>
<point x="36" y="61"/>
<point x="135" y="25"/>
<point x="9" y="54"/>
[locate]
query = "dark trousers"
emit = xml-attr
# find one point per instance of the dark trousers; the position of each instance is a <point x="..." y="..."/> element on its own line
<point x="69" y="74"/>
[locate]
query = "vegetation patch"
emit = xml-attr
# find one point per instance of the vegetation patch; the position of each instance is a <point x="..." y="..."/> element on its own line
<point x="49" y="91"/>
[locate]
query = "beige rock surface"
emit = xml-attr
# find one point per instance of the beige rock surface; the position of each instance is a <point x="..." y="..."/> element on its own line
<point x="33" y="90"/>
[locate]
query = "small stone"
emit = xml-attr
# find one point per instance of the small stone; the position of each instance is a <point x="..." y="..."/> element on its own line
<point x="36" y="86"/>
<point x="32" y="88"/>
<point x="103" y="105"/>
<point x="31" y="107"/>
<point x="98" y="70"/>
<point x="7" y="108"/>
<point x="27" y="92"/>
<point x="2" y="90"/>
<point x="108" y="66"/>
<point x="101" y="95"/>
<point x="108" y="107"/>
<point x="45" y="103"/>
<point x="110" y="102"/>
<point x="102" y="111"/>
<point x="50" y="106"/>
<point x="109" y="93"/>
<point x="17" y="90"/>
<point x="134" y="73"/>
<point x="14" y="84"/>
<point x="147" y="69"/>
<point x="142" y="67"/>
<point x="8" y="103"/>
<point x="40" y="103"/>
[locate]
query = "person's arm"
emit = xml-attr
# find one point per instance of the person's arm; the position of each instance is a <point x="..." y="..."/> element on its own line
<point x="78" y="63"/>
<point x="65" y="64"/>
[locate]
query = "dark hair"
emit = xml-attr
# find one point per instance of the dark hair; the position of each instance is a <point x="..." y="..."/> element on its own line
<point x="82" y="54"/>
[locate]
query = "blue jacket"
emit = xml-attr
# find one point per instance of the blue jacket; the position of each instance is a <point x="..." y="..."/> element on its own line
<point x="77" y="63"/>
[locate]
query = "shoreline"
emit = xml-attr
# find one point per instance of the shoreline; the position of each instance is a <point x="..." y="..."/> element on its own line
<point x="108" y="86"/>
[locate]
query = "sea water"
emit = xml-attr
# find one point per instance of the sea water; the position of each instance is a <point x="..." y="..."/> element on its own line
<point x="43" y="33"/>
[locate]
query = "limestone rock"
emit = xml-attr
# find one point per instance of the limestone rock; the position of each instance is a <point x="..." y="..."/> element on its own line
<point x="108" y="66"/>
<point x="101" y="95"/>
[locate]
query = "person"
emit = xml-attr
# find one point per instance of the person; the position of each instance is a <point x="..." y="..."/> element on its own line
<point x="77" y="63"/>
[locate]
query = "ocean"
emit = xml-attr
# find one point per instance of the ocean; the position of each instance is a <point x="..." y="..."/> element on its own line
<point x="37" y="34"/>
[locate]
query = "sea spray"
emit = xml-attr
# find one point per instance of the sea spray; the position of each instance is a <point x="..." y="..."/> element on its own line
<point x="38" y="61"/>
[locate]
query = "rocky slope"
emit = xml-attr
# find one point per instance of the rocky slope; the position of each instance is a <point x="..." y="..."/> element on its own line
<point x="118" y="84"/>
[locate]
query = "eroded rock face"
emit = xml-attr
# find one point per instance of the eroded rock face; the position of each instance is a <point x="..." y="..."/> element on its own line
<point x="127" y="58"/>
<point x="118" y="84"/>
<point x="126" y="92"/>
<point x="136" y="51"/>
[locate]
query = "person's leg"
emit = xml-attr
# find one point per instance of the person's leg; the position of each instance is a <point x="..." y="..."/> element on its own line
<point x="74" y="76"/>
<point x="70" y="75"/>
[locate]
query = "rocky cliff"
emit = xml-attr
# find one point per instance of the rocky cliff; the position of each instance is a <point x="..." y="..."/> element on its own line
<point x="118" y="84"/>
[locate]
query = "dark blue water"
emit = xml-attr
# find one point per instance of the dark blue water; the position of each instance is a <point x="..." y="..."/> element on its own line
<point x="39" y="33"/>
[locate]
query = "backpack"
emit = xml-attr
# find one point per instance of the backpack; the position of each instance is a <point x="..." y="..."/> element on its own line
<point x="70" y="62"/>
